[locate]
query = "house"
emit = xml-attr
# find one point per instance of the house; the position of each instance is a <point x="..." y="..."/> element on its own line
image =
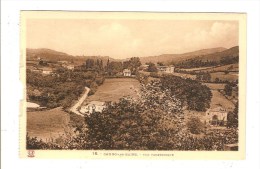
<point x="93" y="106"/>
<point x="32" y="105"/>
<point x="127" y="72"/>
<point x="47" y="70"/>
<point x="216" y="116"/>
<point x="166" y="69"/>
<point x="68" y="66"/>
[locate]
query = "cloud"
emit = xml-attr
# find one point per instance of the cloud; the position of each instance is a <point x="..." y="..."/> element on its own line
<point x="220" y="34"/>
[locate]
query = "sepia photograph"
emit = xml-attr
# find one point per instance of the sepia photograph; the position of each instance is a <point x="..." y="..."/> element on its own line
<point x="134" y="82"/>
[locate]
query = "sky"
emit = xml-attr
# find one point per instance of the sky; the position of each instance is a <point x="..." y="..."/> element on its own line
<point x="122" y="39"/>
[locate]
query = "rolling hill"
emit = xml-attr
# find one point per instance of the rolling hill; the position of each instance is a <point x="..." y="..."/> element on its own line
<point x="52" y="55"/>
<point x="166" y="58"/>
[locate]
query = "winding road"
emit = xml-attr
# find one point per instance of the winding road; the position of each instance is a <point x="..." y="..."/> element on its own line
<point x="74" y="108"/>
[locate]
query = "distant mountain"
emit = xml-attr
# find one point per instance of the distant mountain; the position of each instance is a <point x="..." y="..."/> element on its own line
<point x="231" y="53"/>
<point x="166" y="58"/>
<point x="52" y="55"/>
<point x="229" y="56"/>
<point x="46" y="54"/>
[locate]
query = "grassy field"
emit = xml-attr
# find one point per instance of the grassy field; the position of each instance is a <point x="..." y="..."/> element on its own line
<point x="218" y="100"/>
<point x="230" y="67"/>
<point x="215" y="86"/>
<point x="222" y="76"/>
<point x="115" y="88"/>
<point x="47" y="124"/>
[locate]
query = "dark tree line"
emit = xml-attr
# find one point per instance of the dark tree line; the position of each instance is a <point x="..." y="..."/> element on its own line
<point x="197" y="62"/>
<point x="191" y="92"/>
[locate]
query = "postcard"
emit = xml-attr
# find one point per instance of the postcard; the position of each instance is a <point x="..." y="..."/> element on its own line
<point x="133" y="85"/>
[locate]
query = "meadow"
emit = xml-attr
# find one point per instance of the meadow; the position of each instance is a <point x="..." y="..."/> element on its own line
<point x="115" y="88"/>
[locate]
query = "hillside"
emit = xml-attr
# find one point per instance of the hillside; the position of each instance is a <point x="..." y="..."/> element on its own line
<point x="52" y="55"/>
<point x="166" y="58"/>
<point x="229" y="56"/>
<point x="46" y="54"/>
<point x="232" y="52"/>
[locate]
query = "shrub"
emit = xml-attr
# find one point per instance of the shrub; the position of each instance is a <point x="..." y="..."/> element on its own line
<point x="195" y="126"/>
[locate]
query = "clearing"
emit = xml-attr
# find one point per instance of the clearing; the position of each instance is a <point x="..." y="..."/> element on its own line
<point x="115" y="88"/>
<point x="47" y="124"/>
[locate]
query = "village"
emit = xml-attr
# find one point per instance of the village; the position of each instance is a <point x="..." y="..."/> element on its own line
<point x="123" y="80"/>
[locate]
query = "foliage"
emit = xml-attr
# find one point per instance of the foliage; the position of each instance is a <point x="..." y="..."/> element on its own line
<point x="228" y="89"/>
<point x="206" y="77"/>
<point x="198" y="62"/>
<point x="195" y="126"/>
<point x="190" y="92"/>
<point x="232" y="118"/>
<point x="127" y="125"/>
<point x="132" y="64"/>
<point x="60" y="88"/>
<point x="151" y="67"/>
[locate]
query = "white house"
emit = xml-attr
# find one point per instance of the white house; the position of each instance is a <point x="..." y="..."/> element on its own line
<point x="46" y="70"/>
<point x="127" y="72"/>
<point x="166" y="69"/>
<point x="93" y="106"/>
<point x="216" y="116"/>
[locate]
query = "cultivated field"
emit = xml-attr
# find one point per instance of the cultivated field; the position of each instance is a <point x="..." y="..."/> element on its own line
<point x="230" y="67"/>
<point x="115" y="88"/>
<point x="215" y="86"/>
<point x="47" y="124"/>
<point x="224" y="77"/>
<point x="218" y="100"/>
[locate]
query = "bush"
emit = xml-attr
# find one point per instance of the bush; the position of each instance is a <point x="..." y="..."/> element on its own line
<point x="190" y="92"/>
<point x="195" y="126"/>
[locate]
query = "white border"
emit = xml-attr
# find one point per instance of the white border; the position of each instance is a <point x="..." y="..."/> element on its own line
<point x="11" y="90"/>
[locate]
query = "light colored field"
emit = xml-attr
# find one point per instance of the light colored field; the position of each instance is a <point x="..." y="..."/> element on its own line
<point x="47" y="124"/>
<point x="115" y="88"/>
<point x="218" y="100"/>
<point x="215" y="86"/>
<point x="222" y="76"/>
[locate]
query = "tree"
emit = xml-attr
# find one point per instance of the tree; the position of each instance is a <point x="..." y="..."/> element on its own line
<point x="195" y="126"/>
<point x="89" y="63"/>
<point x="228" y="89"/>
<point x="232" y="117"/>
<point x="132" y="64"/>
<point x="160" y="64"/>
<point x="152" y="67"/>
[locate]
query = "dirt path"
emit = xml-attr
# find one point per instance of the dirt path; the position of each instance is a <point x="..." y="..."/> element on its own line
<point x="74" y="108"/>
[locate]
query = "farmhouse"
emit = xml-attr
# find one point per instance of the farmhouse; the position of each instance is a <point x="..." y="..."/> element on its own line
<point x="166" y="69"/>
<point x="46" y="70"/>
<point x="93" y="106"/>
<point x="127" y="72"/>
<point x="68" y="66"/>
<point x="217" y="116"/>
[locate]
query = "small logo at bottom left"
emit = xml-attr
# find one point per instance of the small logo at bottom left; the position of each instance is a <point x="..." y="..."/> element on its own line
<point x="31" y="153"/>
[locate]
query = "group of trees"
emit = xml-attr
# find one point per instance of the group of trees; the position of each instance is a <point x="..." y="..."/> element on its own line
<point x="151" y="67"/>
<point x="191" y="92"/>
<point x="115" y="67"/>
<point x="232" y="118"/>
<point x="61" y="88"/>
<point x="92" y="64"/>
<point x="197" y="62"/>
<point x="203" y="76"/>
<point x="229" y="87"/>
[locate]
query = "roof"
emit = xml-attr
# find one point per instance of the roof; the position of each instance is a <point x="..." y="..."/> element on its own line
<point x="126" y="70"/>
<point x="32" y="105"/>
